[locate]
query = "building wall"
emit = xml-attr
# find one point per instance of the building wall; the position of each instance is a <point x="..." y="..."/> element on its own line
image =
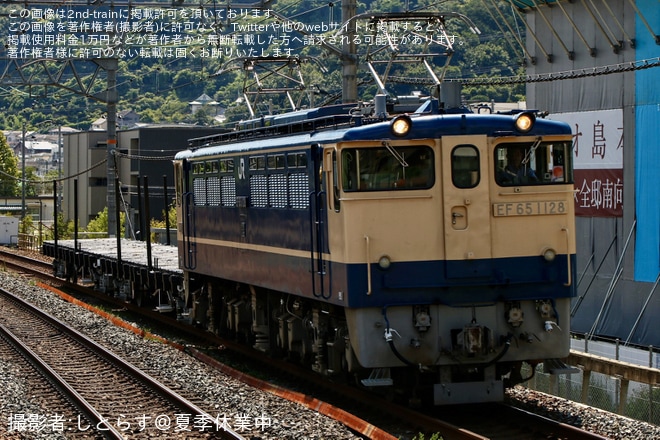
<point x="81" y="152"/>
<point x="617" y="253"/>
<point x="647" y="141"/>
<point x="597" y="92"/>
<point x="143" y="151"/>
<point x="155" y="146"/>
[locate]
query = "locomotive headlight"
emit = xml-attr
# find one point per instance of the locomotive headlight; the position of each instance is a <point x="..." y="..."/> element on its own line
<point x="549" y="254"/>
<point x="525" y="122"/>
<point x="400" y="125"/>
<point x="384" y="262"/>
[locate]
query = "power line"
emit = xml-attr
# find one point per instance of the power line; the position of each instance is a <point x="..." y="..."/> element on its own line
<point x="61" y="179"/>
<point x="586" y="72"/>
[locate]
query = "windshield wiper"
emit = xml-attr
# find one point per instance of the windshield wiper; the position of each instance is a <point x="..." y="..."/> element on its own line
<point x="396" y="155"/>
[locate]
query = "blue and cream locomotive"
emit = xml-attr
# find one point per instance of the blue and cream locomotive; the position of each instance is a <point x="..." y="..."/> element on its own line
<point x="430" y="252"/>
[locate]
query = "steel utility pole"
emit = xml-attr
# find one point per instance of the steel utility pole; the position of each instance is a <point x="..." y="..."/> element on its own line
<point x="23" y="173"/>
<point x="110" y="65"/>
<point x="349" y="53"/>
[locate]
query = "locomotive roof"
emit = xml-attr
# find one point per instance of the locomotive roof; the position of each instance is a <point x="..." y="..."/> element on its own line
<point x="424" y="127"/>
<point x="433" y="126"/>
<point x="264" y="143"/>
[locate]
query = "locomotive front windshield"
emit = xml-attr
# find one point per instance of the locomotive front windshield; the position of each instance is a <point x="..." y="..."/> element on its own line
<point x="387" y="168"/>
<point x="533" y="163"/>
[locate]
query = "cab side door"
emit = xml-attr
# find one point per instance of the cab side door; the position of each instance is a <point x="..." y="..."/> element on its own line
<point x="467" y="223"/>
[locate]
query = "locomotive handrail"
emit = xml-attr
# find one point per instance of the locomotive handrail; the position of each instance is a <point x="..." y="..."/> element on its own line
<point x="568" y="256"/>
<point x="320" y="243"/>
<point x="366" y="237"/>
<point x="188" y="245"/>
<point x="518" y="191"/>
<point x="316" y="243"/>
<point x="390" y="195"/>
<point x="303" y="126"/>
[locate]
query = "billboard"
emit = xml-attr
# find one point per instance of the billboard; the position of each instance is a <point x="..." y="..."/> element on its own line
<point x="598" y="161"/>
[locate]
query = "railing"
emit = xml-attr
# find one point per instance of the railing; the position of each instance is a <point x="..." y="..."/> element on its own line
<point x="34" y="239"/>
<point x="614" y="349"/>
<point x="29" y="242"/>
<point x="611" y="392"/>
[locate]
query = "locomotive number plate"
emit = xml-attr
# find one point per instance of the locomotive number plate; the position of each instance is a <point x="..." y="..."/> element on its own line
<point x="529" y="208"/>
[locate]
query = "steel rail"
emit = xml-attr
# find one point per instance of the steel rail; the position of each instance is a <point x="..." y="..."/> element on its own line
<point x="61" y="384"/>
<point x="153" y="384"/>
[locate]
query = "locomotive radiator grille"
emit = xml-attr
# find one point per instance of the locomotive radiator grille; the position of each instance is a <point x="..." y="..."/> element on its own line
<point x="228" y="187"/>
<point x="299" y="190"/>
<point x="277" y="193"/>
<point x="258" y="191"/>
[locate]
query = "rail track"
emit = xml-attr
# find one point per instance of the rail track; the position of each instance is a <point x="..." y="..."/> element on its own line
<point x="467" y="422"/>
<point x="500" y="421"/>
<point x="113" y="397"/>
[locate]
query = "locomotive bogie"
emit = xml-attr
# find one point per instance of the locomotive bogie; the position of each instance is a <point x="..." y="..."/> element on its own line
<point x="273" y="322"/>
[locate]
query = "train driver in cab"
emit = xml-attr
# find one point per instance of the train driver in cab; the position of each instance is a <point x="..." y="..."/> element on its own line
<point x="518" y="169"/>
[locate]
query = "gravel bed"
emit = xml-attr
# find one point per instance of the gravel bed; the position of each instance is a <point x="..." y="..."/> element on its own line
<point x="588" y="418"/>
<point x="253" y="413"/>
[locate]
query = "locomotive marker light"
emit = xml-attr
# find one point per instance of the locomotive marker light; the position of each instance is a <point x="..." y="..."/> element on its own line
<point x="384" y="262"/>
<point x="401" y="125"/>
<point x="549" y="254"/>
<point x="525" y="122"/>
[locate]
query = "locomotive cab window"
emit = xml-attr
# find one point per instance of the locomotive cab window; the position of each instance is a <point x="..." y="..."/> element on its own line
<point x="387" y="168"/>
<point x="533" y="163"/>
<point x="465" y="166"/>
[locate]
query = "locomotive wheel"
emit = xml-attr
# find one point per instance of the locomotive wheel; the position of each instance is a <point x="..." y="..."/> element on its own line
<point x="138" y="296"/>
<point x="72" y="274"/>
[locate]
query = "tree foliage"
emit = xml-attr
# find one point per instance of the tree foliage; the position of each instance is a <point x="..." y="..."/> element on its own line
<point x="171" y="218"/>
<point x="100" y="222"/>
<point x="64" y="228"/>
<point x="160" y="90"/>
<point x="8" y="169"/>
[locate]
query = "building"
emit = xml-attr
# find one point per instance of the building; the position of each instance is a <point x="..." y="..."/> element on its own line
<point x="597" y="69"/>
<point x="84" y="155"/>
<point x="38" y="207"/>
<point x="125" y="119"/>
<point x="143" y="153"/>
<point x="213" y="108"/>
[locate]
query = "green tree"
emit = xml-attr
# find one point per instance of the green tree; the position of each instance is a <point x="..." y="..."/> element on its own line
<point x="64" y="229"/>
<point x="8" y="169"/>
<point x="173" y="110"/>
<point x="100" y="222"/>
<point x="171" y="218"/>
<point x="202" y="117"/>
<point x="160" y="89"/>
<point x="34" y="185"/>
<point x="26" y="225"/>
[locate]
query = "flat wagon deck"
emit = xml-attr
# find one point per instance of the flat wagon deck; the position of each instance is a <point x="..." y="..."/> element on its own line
<point x="137" y="271"/>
